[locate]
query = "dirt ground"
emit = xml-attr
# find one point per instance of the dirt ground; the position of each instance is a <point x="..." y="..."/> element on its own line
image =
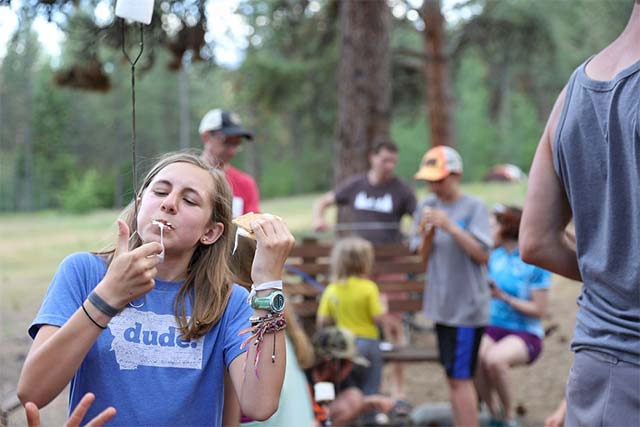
<point x="537" y="388"/>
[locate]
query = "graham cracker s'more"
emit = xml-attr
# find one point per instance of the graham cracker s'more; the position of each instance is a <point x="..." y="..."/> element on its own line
<point x="244" y="223"/>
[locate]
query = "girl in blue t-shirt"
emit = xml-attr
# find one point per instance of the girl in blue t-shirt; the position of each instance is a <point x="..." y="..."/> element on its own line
<point x="152" y="326"/>
<point x="514" y="335"/>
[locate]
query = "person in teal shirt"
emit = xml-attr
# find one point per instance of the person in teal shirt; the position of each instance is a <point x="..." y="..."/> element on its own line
<point x="519" y="300"/>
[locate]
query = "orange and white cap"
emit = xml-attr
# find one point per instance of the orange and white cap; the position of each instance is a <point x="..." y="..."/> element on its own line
<point x="438" y="163"/>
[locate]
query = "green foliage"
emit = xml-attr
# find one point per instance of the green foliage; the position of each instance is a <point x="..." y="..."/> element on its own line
<point x="86" y="193"/>
<point x="79" y="196"/>
<point x="510" y="59"/>
<point x="413" y="141"/>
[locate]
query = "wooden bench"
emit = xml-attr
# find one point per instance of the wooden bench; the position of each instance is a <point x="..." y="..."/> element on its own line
<point x="396" y="270"/>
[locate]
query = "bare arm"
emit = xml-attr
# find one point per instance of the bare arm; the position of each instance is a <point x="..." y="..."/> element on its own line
<point x="347" y="406"/>
<point x="470" y="244"/>
<point x="439" y="218"/>
<point x="319" y="209"/>
<point x="427" y="244"/>
<point x="56" y="355"/>
<point x="258" y="386"/>
<point x="547" y="212"/>
<point x="536" y="307"/>
<point x="57" y="352"/>
<point x="231" y="409"/>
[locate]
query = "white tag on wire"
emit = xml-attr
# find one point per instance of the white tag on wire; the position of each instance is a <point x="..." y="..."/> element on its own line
<point x="136" y="10"/>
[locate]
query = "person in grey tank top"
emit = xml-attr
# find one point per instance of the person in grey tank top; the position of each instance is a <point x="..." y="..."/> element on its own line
<point x="587" y="168"/>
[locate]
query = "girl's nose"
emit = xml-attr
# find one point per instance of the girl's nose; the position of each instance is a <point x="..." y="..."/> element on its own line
<point x="168" y="204"/>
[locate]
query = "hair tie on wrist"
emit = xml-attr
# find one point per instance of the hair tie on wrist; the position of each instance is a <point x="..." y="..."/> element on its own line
<point x="91" y="318"/>
<point x="102" y="305"/>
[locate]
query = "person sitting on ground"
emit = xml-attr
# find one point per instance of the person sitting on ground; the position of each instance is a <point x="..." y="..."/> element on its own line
<point x="514" y="335"/>
<point x="336" y="354"/>
<point x="352" y="301"/>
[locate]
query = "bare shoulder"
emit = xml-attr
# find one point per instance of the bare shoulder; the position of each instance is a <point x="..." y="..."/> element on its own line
<point x="554" y="117"/>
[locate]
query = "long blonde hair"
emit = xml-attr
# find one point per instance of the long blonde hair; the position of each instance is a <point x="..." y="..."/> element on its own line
<point x="351" y="256"/>
<point x="208" y="282"/>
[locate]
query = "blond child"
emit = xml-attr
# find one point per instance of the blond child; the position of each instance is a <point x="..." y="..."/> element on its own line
<point x="352" y="301"/>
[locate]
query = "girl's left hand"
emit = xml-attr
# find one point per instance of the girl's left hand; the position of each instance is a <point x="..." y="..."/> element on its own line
<point x="274" y="243"/>
<point x="496" y="292"/>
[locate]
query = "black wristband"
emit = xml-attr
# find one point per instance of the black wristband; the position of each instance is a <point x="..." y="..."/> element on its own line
<point x="91" y="318"/>
<point x="102" y="305"/>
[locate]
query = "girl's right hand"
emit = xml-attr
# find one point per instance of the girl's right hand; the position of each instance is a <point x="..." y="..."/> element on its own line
<point x="131" y="272"/>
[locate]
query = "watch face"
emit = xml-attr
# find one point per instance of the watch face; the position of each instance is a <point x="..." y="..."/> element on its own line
<point x="278" y="302"/>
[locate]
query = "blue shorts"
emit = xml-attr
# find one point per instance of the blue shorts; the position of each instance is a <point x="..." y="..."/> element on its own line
<point x="458" y="346"/>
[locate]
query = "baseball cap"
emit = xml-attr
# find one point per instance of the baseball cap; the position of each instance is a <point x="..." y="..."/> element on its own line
<point x="225" y="122"/>
<point x="438" y="163"/>
<point x="334" y="342"/>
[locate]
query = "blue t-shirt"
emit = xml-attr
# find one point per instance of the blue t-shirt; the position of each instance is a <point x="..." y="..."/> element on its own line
<point x="518" y="279"/>
<point x="139" y="364"/>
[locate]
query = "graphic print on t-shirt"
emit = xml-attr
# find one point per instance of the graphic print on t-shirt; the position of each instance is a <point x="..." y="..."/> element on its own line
<point x="377" y="204"/>
<point x="144" y="338"/>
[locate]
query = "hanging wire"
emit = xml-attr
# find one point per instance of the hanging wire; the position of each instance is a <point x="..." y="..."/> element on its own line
<point x="133" y="63"/>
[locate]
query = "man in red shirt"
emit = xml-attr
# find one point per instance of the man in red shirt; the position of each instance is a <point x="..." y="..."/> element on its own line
<point x="222" y="133"/>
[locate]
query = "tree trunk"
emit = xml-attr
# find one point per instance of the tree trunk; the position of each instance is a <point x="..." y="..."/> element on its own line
<point x="438" y="86"/>
<point x="27" y="133"/>
<point x="252" y="157"/>
<point x="364" y="85"/>
<point x="183" y="84"/>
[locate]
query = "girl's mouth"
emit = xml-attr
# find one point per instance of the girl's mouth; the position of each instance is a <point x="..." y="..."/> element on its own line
<point x="162" y="223"/>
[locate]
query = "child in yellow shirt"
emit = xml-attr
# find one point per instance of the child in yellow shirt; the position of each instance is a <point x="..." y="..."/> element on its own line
<point x="352" y="301"/>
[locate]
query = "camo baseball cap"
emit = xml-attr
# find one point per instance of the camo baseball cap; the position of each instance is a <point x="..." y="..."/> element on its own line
<point x="337" y="343"/>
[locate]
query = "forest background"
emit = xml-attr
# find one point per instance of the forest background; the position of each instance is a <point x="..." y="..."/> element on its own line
<point x="65" y="136"/>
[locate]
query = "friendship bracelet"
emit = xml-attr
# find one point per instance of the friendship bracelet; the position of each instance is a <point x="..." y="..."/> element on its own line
<point x="91" y="318"/>
<point x="269" y="316"/>
<point x="260" y="326"/>
<point x="102" y="305"/>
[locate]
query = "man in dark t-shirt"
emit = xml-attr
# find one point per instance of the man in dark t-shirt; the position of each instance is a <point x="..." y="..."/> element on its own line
<point x="377" y="199"/>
